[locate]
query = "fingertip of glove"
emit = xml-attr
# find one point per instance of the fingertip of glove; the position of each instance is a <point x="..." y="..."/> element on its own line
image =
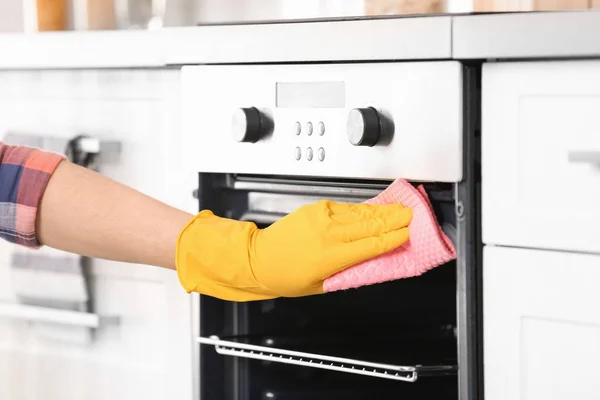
<point x="397" y="219"/>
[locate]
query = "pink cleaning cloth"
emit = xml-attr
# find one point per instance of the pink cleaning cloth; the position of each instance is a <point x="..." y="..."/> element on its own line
<point x="427" y="248"/>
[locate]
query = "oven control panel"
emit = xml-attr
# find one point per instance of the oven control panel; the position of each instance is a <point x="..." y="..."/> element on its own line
<point x="377" y="120"/>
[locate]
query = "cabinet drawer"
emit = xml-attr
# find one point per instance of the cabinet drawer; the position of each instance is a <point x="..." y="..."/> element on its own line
<point x="541" y="324"/>
<point x="541" y="154"/>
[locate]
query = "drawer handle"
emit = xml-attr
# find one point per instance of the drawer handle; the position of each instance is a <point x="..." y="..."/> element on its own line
<point x="50" y="315"/>
<point x="582" y="156"/>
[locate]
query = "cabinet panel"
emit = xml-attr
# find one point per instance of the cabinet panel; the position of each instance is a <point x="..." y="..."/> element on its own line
<point x="541" y="325"/>
<point x="148" y="355"/>
<point x="541" y="155"/>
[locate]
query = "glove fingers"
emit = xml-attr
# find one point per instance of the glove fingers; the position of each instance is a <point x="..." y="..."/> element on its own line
<point x="395" y="218"/>
<point x="360" y="250"/>
<point x="346" y="213"/>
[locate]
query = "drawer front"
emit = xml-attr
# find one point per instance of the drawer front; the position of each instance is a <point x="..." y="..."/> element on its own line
<point x="541" y="324"/>
<point x="541" y="154"/>
<point x="128" y="360"/>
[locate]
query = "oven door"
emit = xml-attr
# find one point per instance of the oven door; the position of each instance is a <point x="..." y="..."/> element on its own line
<point x="386" y="341"/>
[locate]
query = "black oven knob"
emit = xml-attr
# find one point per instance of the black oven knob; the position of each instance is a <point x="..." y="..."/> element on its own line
<point x="363" y="126"/>
<point x="247" y="125"/>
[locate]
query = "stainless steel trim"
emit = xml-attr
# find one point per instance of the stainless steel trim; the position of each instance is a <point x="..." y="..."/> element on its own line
<point x="583" y="156"/>
<point x="309" y="188"/>
<point x="195" y="321"/>
<point x="420" y="148"/>
<point x="385" y="371"/>
<point x="526" y="35"/>
<point x="368" y="184"/>
<point x="378" y="39"/>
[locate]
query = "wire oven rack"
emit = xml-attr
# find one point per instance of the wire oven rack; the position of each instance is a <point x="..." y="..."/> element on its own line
<point x="377" y="370"/>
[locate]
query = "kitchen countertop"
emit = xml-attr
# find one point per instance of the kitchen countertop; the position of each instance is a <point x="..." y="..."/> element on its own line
<point x="440" y="37"/>
<point x="415" y="38"/>
<point x="93" y="49"/>
<point x="531" y="35"/>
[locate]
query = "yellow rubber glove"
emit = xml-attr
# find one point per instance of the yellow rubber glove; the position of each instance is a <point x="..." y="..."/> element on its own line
<point x="236" y="261"/>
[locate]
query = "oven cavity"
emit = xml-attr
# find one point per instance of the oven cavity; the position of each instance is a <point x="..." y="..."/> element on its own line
<point x="384" y="341"/>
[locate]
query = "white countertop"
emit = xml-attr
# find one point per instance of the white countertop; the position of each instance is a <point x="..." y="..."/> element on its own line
<point x="94" y="49"/>
<point x="436" y="37"/>
<point x="314" y="41"/>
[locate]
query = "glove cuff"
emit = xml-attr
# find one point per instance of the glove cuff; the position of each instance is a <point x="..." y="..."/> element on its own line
<point x="213" y="258"/>
<point x="182" y="267"/>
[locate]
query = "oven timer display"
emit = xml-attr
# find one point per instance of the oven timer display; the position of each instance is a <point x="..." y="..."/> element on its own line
<point x="310" y="94"/>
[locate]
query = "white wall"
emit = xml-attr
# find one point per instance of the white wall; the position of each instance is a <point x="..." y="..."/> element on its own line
<point x="11" y="16"/>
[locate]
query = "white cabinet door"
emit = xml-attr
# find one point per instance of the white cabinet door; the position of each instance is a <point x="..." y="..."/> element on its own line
<point x="541" y="325"/>
<point x="148" y="354"/>
<point x="541" y="154"/>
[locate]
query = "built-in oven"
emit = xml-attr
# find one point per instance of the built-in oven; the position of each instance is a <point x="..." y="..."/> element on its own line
<point x="267" y="139"/>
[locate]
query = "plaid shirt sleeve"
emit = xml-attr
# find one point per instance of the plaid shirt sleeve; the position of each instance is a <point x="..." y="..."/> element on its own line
<point x="24" y="175"/>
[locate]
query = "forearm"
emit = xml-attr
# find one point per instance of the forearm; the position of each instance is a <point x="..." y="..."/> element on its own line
<point x="86" y="213"/>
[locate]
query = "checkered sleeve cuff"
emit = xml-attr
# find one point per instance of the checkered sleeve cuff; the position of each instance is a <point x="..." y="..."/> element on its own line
<point x="24" y="175"/>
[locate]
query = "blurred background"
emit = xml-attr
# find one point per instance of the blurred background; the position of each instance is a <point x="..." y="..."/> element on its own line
<point x="93" y="329"/>
<point x="31" y="15"/>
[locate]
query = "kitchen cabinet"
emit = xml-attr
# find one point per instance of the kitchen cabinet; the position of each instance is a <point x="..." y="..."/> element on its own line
<point x="148" y="354"/>
<point x="540" y="227"/>
<point x="541" y="324"/>
<point x="541" y="154"/>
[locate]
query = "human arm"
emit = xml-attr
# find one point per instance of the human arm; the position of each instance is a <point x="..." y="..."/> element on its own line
<point x="83" y="212"/>
<point x="46" y="200"/>
<point x="86" y="213"/>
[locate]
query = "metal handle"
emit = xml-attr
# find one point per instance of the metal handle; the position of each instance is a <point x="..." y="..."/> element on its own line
<point x="308" y="188"/>
<point x="385" y="371"/>
<point x="261" y="217"/>
<point x="582" y="156"/>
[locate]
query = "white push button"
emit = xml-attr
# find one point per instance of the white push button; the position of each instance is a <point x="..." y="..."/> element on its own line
<point x="321" y="129"/>
<point x="309" y="154"/>
<point x="309" y="128"/>
<point x="298" y="128"/>
<point x="297" y="153"/>
<point x="321" y="154"/>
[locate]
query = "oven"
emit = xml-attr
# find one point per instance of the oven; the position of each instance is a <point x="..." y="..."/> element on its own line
<point x="267" y="139"/>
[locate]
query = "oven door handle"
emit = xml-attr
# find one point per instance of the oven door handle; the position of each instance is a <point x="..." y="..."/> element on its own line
<point x="261" y="217"/>
<point x="386" y="371"/>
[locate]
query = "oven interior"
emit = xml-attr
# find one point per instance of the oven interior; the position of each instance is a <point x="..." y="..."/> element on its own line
<point x="406" y="322"/>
